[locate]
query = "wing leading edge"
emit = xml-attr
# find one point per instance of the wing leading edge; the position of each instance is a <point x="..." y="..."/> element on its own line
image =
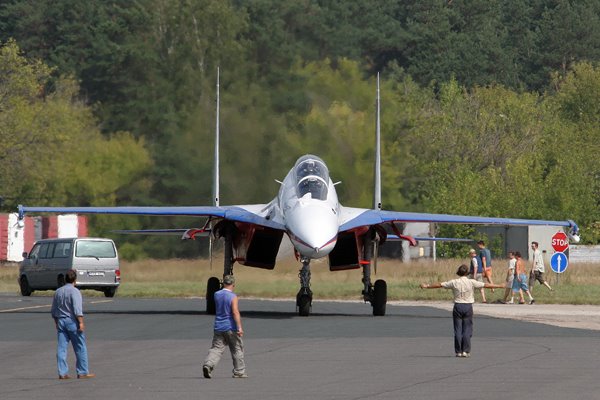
<point x="357" y="217"/>
<point x="233" y="213"/>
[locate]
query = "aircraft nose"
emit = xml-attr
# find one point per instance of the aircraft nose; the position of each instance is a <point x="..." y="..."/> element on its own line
<point x="316" y="230"/>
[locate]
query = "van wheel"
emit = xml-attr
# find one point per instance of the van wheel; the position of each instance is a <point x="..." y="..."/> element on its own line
<point x="60" y="281"/>
<point x="25" y="288"/>
<point x="110" y="292"/>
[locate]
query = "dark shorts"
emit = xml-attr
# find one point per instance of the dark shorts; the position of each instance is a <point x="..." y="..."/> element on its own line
<point x="537" y="276"/>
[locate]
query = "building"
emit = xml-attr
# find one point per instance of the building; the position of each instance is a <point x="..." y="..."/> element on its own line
<point x="17" y="236"/>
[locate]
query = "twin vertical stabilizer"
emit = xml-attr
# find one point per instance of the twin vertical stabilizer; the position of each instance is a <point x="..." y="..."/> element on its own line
<point x="377" y="191"/>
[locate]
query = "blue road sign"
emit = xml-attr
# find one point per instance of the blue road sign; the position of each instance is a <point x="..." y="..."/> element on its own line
<point x="559" y="262"/>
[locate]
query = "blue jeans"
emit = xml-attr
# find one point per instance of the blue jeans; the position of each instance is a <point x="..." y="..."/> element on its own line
<point x="67" y="332"/>
<point x="462" y="316"/>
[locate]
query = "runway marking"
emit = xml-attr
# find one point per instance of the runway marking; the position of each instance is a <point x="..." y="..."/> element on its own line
<point x="46" y="305"/>
<point x="24" y="308"/>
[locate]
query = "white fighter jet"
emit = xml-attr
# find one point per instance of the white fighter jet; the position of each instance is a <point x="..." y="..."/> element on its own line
<point x="307" y="210"/>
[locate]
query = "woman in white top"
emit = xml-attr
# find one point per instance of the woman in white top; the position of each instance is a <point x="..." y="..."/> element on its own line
<point x="462" y="314"/>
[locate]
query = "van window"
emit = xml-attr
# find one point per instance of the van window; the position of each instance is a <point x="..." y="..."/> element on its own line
<point x="35" y="251"/>
<point x="47" y="250"/>
<point x="95" y="248"/>
<point x="62" y="250"/>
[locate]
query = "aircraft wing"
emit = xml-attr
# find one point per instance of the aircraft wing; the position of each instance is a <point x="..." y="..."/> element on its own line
<point x="252" y="214"/>
<point x="357" y="217"/>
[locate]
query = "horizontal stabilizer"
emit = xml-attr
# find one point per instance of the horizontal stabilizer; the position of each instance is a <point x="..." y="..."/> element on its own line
<point x="186" y="233"/>
<point x="431" y="239"/>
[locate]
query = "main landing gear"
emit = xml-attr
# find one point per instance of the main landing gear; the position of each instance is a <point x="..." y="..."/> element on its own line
<point x="375" y="294"/>
<point x="304" y="296"/>
<point x="214" y="284"/>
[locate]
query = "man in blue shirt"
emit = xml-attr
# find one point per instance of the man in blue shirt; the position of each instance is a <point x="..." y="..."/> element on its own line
<point x="67" y="311"/>
<point x="227" y="331"/>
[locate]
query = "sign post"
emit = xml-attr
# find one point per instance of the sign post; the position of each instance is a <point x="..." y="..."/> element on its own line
<point x="559" y="260"/>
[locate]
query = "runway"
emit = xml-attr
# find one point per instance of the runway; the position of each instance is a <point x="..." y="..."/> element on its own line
<point x="154" y="348"/>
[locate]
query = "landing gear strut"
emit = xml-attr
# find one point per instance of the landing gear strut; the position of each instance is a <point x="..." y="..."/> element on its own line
<point x="214" y="283"/>
<point x="374" y="294"/>
<point x="304" y="296"/>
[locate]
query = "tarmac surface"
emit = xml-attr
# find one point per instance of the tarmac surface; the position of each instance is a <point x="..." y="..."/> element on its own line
<point x="154" y="348"/>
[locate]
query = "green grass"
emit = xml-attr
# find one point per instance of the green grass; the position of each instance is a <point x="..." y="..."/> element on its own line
<point x="580" y="284"/>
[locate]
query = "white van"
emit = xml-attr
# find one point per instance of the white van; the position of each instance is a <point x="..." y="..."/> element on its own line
<point x="95" y="260"/>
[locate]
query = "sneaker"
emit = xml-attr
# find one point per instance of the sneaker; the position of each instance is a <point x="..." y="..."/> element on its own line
<point x="511" y="302"/>
<point x="465" y="354"/>
<point x="531" y="301"/>
<point x="459" y="354"/>
<point x="244" y="375"/>
<point x="207" y="371"/>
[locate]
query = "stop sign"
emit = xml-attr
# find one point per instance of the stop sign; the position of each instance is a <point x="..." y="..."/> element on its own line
<point x="560" y="242"/>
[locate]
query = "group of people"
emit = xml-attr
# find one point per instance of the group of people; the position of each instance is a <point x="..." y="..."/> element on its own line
<point x="472" y="277"/>
<point x="516" y="280"/>
<point x="67" y="312"/>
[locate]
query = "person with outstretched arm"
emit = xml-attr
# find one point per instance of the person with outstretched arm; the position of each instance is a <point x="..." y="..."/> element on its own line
<point x="462" y="314"/>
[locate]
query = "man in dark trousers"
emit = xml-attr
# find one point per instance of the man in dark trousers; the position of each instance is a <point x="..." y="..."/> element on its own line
<point x="227" y="331"/>
<point x="462" y="314"/>
<point x="67" y="311"/>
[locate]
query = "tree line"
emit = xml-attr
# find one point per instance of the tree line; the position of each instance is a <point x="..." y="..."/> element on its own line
<point x="489" y="108"/>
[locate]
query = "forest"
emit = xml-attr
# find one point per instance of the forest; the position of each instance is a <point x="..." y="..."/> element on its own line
<point x="488" y="107"/>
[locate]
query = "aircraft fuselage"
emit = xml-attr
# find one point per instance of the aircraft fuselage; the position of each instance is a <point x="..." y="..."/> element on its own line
<point x="309" y="207"/>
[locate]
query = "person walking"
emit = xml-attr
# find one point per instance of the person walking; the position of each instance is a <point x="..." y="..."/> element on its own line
<point x="67" y="311"/>
<point x="520" y="282"/>
<point x="510" y="277"/>
<point x="537" y="268"/>
<point x="227" y="331"/>
<point x="462" y="313"/>
<point x="485" y="255"/>
<point x="476" y="271"/>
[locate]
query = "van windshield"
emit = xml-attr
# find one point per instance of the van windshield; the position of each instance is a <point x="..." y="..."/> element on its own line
<point x="95" y="248"/>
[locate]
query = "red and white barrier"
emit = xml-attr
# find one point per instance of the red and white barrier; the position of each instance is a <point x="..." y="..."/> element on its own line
<point x="15" y="237"/>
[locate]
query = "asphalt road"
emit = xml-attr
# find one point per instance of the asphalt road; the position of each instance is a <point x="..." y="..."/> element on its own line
<point x="154" y="348"/>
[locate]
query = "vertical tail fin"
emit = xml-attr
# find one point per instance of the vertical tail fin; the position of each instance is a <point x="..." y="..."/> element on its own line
<point x="216" y="193"/>
<point x="216" y="165"/>
<point x="377" y="191"/>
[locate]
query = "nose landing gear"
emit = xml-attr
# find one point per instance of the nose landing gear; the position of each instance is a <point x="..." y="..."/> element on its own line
<point x="304" y="296"/>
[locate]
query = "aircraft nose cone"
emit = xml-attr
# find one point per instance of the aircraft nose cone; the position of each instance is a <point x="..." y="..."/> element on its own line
<point x="316" y="230"/>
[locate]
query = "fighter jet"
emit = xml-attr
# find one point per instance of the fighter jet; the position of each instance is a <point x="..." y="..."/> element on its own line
<point x="307" y="210"/>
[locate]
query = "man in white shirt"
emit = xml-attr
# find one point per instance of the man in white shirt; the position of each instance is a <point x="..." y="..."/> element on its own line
<point x="537" y="268"/>
<point x="462" y="314"/>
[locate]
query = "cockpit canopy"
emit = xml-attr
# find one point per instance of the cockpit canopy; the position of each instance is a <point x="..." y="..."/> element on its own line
<point x="312" y="177"/>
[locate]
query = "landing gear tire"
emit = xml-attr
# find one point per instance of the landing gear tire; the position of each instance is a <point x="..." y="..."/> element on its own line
<point x="379" y="297"/>
<point x="304" y="301"/>
<point x="24" y="286"/>
<point x="212" y="286"/>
